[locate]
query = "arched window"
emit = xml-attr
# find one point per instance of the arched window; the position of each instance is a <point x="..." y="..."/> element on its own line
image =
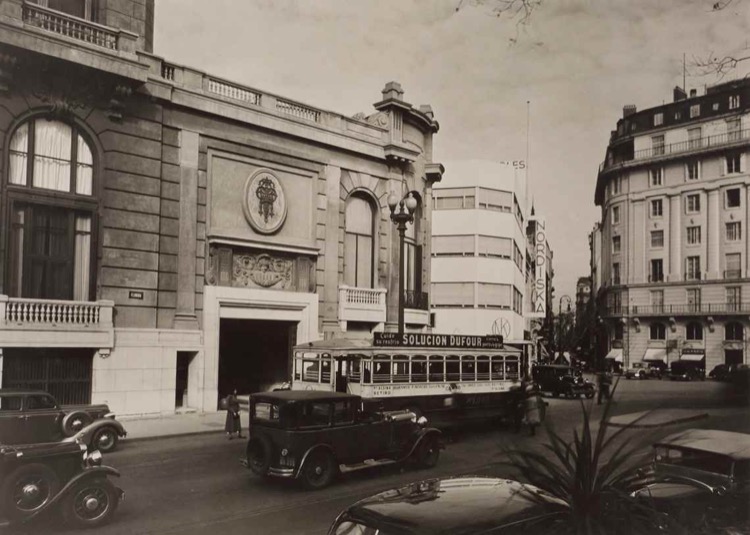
<point x="658" y="331"/>
<point x="694" y="331"/>
<point x="734" y="331"/>
<point x="359" y="243"/>
<point x="50" y="186"/>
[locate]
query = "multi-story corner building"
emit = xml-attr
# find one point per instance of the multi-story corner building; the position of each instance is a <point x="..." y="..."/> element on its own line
<point x="167" y="236"/>
<point x="675" y="197"/>
<point x="479" y="249"/>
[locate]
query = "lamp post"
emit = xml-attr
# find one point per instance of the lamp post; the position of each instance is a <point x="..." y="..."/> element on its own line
<point x="402" y="212"/>
<point x="560" y="321"/>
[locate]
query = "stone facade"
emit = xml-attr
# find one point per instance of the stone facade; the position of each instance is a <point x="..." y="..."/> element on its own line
<point x="211" y="204"/>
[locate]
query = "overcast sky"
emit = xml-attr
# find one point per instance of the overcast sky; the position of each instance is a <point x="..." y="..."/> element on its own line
<point x="578" y="62"/>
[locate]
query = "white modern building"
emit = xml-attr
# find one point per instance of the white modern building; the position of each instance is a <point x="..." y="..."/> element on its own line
<point x="479" y="249"/>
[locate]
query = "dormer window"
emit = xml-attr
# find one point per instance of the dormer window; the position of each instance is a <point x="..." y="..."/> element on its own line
<point x="658" y="119"/>
<point x="734" y="102"/>
<point x="695" y="111"/>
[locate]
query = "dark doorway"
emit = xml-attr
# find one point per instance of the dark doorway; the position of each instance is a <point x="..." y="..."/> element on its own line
<point x="181" y="382"/>
<point x="733" y="356"/>
<point x="254" y="354"/>
<point x="64" y="373"/>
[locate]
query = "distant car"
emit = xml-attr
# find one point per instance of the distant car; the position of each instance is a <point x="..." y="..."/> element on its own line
<point x="34" y="416"/>
<point x="60" y="477"/>
<point x="311" y="436"/>
<point x="453" y="506"/>
<point x="701" y="476"/>
<point x="687" y="371"/>
<point x="559" y="379"/>
<point x="724" y="372"/>
<point x="642" y="370"/>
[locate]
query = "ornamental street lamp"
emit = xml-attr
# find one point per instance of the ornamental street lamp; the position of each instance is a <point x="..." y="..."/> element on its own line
<point x="400" y="218"/>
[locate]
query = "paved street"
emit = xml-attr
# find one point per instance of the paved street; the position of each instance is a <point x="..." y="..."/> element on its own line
<point x="192" y="485"/>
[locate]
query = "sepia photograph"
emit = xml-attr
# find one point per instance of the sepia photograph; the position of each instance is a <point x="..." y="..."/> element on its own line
<point x="375" y="267"/>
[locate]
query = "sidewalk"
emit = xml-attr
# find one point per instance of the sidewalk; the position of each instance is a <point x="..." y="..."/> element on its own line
<point x="189" y="423"/>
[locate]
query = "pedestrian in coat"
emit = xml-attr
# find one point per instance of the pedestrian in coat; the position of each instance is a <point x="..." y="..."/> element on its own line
<point x="605" y="381"/>
<point x="233" y="424"/>
<point x="534" y="406"/>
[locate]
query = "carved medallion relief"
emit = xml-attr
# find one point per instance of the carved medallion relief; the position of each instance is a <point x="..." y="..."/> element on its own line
<point x="264" y="202"/>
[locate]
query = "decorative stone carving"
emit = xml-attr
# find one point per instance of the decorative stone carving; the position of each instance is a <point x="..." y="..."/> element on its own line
<point x="264" y="202"/>
<point x="380" y="119"/>
<point x="263" y="270"/>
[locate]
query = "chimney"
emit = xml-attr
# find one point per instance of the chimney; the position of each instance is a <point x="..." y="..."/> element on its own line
<point x="693" y="93"/>
<point x="393" y="90"/>
<point x="628" y="110"/>
<point x="679" y="93"/>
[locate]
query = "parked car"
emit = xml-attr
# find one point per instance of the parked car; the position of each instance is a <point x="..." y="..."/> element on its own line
<point x="643" y="370"/>
<point x="559" y="379"/>
<point x="701" y="477"/>
<point x="687" y="371"/>
<point x="34" y="416"/>
<point x="724" y="372"/>
<point x="61" y="477"/>
<point x="452" y="506"/>
<point x="311" y="436"/>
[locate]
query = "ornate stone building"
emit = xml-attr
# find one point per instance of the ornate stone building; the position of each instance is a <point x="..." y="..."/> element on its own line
<point x="168" y="235"/>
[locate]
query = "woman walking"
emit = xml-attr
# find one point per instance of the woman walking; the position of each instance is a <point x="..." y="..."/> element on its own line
<point x="233" y="424"/>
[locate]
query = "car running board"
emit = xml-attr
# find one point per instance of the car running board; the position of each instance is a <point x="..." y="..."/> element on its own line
<point x="369" y="463"/>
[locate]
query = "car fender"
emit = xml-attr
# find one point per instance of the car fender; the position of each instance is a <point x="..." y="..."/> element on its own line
<point x="429" y="432"/>
<point x="310" y="451"/>
<point x="88" y="473"/>
<point x="85" y="435"/>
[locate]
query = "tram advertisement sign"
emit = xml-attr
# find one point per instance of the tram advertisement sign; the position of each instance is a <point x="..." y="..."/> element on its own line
<point x="451" y="341"/>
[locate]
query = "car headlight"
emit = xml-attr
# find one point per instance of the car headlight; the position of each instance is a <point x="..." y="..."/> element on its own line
<point x="94" y="458"/>
<point x="422" y="421"/>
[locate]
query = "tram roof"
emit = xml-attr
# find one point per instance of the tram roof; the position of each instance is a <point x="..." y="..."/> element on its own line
<point x="345" y="345"/>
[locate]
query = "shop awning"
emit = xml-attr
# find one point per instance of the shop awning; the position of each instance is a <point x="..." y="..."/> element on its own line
<point x="655" y="354"/>
<point x="615" y="354"/>
<point x="693" y="355"/>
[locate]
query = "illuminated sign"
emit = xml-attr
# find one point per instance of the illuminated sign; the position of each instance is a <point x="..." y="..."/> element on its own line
<point x="453" y="341"/>
<point x="539" y="288"/>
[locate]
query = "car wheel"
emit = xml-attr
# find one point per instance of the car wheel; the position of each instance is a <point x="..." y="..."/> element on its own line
<point x="428" y="453"/>
<point x="319" y="470"/>
<point x="105" y="440"/>
<point x="589" y="394"/>
<point x="74" y="422"/>
<point x="90" y="503"/>
<point x="27" y="489"/>
<point x="259" y="456"/>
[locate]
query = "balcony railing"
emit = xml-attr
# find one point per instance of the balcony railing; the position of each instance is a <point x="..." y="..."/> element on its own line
<point x="70" y="26"/>
<point x="361" y="304"/>
<point x="416" y="300"/>
<point x="24" y="311"/>
<point x="297" y="110"/>
<point x="732" y="273"/>
<point x="682" y="309"/>
<point x="683" y="147"/>
<point x="232" y="91"/>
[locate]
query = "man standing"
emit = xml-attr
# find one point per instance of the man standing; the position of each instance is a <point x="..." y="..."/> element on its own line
<point x="603" y="382"/>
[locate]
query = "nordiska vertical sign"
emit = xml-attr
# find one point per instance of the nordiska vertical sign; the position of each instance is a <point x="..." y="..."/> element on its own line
<point x="539" y="289"/>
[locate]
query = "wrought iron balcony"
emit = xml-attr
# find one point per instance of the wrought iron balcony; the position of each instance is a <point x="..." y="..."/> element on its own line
<point x="416" y="300"/>
<point x="686" y="309"/>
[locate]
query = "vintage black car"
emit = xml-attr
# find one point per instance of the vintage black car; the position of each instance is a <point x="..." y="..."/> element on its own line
<point x="559" y="379"/>
<point x="702" y="478"/>
<point x="34" y="416"/>
<point x="58" y="477"/>
<point x="311" y="436"/>
<point x="681" y="370"/>
<point x="453" y="506"/>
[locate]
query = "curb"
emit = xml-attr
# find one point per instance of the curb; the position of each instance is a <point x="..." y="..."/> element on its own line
<point x="172" y="435"/>
<point x="678" y="421"/>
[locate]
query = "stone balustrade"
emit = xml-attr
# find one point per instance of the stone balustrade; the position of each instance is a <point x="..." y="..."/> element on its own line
<point x="26" y="312"/>
<point x="362" y="304"/>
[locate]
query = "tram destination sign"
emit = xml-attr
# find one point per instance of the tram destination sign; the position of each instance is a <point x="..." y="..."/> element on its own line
<point x="449" y="341"/>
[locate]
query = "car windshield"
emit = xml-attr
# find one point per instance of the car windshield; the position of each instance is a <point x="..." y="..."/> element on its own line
<point x="696" y="459"/>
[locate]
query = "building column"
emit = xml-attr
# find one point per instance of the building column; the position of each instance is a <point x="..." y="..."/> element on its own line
<point x="185" y="317"/>
<point x="675" y="238"/>
<point x="712" y="245"/>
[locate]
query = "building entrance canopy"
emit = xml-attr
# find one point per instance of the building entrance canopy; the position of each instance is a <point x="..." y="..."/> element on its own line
<point x="693" y="355"/>
<point x="615" y="354"/>
<point x="655" y="354"/>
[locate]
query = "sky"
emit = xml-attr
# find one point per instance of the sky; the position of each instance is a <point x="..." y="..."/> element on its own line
<point x="577" y="63"/>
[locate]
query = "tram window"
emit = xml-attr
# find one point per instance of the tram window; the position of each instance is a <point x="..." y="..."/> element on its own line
<point x="437" y="368"/>
<point x="297" y="368"/>
<point x="326" y="367"/>
<point x="498" y="368"/>
<point x="367" y="371"/>
<point x="355" y="370"/>
<point x="468" y="369"/>
<point x="511" y="369"/>
<point x="418" y="369"/>
<point x="483" y="369"/>
<point x="400" y="369"/>
<point x="311" y="371"/>
<point x="452" y="368"/>
<point x="382" y="365"/>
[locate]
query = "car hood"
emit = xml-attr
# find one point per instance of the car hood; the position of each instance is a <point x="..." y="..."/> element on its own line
<point x="456" y="506"/>
<point x="670" y="491"/>
<point x="42" y="449"/>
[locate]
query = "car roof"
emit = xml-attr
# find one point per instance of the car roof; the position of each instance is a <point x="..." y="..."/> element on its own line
<point x="453" y="505"/>
<point x="729" y="443"/>
<point x="290" y="396"/>
<point x="20" y="391"/>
